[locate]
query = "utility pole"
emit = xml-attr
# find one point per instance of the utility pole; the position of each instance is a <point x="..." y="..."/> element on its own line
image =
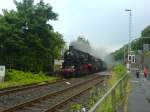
<point x="129" y="44"/>
<point x="130" y="23"/>
<point x="124" y="53"/>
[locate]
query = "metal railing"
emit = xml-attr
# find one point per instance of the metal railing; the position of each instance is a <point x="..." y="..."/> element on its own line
<point x="119" y="87"/>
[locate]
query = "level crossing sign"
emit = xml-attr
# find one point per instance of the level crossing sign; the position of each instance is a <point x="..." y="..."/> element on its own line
<point x="131" y="58"/>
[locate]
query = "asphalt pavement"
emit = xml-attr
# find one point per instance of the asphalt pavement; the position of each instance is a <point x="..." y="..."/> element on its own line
<point x="139" y="97"/>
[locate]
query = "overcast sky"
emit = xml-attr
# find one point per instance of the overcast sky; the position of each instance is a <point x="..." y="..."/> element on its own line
<point x="103" y="22"/>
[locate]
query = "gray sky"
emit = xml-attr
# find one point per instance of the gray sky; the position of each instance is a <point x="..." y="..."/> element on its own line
<point x="103" y="22"/>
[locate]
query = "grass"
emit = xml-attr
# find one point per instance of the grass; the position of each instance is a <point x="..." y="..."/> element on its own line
<point x="76" y="107"/>
<point x="117" y="72"/>
<point x="15" y="78"/>
<point x="147" y="53"/>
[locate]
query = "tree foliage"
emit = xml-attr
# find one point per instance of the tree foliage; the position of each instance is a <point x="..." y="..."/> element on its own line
<point x="146" y="32"/>
<point x="136" y="44"/>
<point x="27" y="41"/>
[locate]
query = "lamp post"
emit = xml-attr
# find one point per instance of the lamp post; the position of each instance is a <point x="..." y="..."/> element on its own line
<point x="129" y="44"/>
<point x="130" y="22"/>
<point x="124" y="53"/>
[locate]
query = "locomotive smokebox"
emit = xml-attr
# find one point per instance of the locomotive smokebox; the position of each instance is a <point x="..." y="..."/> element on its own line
<point x="71" y="47"/>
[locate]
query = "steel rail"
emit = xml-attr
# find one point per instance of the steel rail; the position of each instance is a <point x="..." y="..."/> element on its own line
<point x="21" y="105"/>
<point x="25" y="87"/>
<point x="56" y="106"/>
<point x="14" y="87"/>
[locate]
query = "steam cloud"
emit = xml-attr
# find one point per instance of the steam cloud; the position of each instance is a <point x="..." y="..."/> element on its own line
<point x="96" y="52"/>
<point x="79" y="45"/>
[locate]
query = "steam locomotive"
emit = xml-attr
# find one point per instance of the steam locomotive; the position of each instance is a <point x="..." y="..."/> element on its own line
<point x="77" y="63"/>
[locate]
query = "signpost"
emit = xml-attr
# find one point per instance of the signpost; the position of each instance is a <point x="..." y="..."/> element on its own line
<point x="145" y="47"/>
<point x="131" y="58"/>
<point x="131" y="61"/>
<point x="2" y="73"/>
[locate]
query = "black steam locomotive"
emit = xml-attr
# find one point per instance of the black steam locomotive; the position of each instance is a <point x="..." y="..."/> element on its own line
<point x="77" y="63"/>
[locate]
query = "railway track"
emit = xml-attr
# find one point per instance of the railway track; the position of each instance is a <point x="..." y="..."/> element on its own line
<point x="81" y="99"/>
<point x="23" y="95"/>
<point x="10" y="90"/>
<point x="15" y="87"/>
<point x="53" y="100"/>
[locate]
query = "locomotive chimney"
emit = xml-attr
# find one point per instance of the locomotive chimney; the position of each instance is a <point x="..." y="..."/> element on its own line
<point x="71" y="47"/>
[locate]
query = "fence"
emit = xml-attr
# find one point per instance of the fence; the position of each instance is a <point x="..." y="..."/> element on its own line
<point x="113" y="96"/>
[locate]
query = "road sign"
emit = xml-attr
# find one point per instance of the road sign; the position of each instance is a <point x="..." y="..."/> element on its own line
<point x="2" y="73"/>
<point x="145" y="47"/>
<point x="131" y="58"/>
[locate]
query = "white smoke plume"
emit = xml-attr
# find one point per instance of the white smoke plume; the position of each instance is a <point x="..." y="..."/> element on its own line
<point x="80" y="45"/>
<point x="103" y="54"/>
<point x="100" y="53"/>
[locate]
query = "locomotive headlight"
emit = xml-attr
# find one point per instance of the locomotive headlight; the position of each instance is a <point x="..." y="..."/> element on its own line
<point x="72" y="66"/>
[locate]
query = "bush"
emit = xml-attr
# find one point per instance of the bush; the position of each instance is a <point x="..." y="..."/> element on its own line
<point x="119" y="70"/>
<point x="15" y="77"/>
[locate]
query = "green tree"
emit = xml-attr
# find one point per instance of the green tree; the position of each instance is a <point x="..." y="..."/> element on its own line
<point x="146" y="32"/>
<point x="146" y="35"/>
<point x="119" y="54"/>
<point x="136" y="44"/>
<point x="27" y="41"/>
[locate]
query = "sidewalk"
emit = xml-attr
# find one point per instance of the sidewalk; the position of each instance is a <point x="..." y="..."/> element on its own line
<point x="139" y="97"/>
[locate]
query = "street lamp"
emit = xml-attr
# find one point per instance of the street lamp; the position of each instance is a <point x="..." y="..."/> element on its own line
<point x="129" y="44"/>
<point x="130" y="22"/>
